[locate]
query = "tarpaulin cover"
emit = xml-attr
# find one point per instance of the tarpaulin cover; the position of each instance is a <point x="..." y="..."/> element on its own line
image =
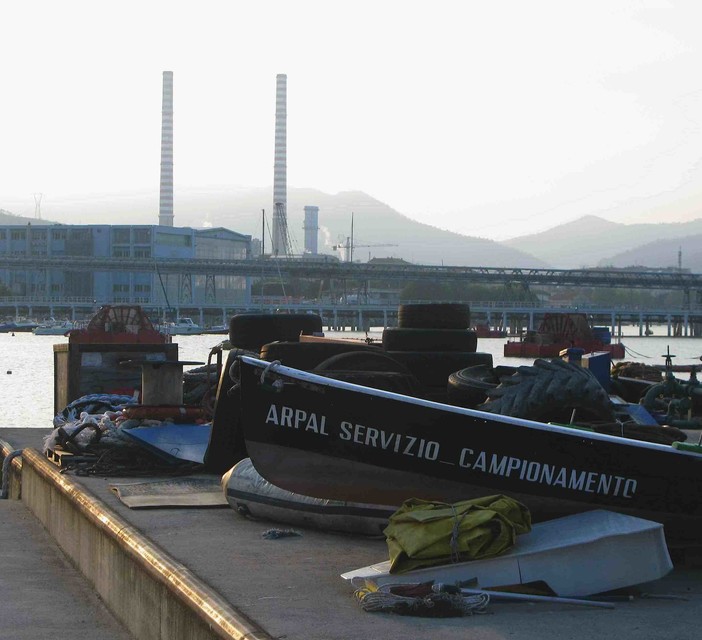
<point x="424" y="534"/>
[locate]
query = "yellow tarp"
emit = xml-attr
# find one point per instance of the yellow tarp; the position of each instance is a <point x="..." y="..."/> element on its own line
<point x="423" y="534"/>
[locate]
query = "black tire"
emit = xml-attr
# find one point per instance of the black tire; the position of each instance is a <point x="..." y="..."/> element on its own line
<point x="433" y="316"/>
<point x="307" y="355"/>
<point x="372" y="369"/>
<point x="252" y="330"/>
<point x="401" y="339"/>
<point x="550" y="390"/>
<point x="404" y="383"/>
<point x="469" y="387"/>
<point x="432" y="368"/>
<point x="363" y="361"/>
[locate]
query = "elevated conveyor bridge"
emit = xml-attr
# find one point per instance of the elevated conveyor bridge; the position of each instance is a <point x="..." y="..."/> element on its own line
<point x="294" y="268"/>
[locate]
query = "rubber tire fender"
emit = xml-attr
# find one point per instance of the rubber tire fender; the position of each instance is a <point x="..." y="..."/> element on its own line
<point x="402" y="339"/>
<point x="307" y="355"/>
<point x="469" y="387"/>
<point x="252" y="330"/>
<point x="363" y="361"/>
<point x="433" y="368"/>
<point x="433" y="316"/>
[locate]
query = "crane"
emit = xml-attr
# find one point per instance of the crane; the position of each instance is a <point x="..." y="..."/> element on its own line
<point x="349" y="246"/>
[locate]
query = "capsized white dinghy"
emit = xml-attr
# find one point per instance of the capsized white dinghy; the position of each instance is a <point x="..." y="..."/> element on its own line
<point x="578" y="555"/>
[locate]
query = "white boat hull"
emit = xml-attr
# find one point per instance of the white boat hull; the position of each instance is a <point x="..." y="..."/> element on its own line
<point x="579" y="555"/>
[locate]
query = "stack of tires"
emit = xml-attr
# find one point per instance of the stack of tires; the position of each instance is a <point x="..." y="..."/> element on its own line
<point x="433" y="341"/>
<point x="276" y="337"/>
<point x="308" y="355"/>
<point x="371" y="368"/>
<point x="250" y="331"/>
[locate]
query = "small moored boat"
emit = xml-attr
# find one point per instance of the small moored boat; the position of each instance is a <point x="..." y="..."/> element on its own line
<point x="559" y="331"/>
<point x="182" y="327"/>
<point x="55" y="328"/>
<point x="18" y="326"/>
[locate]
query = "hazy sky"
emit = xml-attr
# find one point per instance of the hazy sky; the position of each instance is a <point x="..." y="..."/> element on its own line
<point x="490" y="118"/>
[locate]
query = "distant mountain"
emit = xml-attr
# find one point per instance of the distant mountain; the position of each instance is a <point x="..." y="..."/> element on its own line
<point x="379" y="231"/>
<point x="374" y="224"/>
<point x="662" y="254"/>
<point x="591" y="241"/>
<point x="9" y="218"/>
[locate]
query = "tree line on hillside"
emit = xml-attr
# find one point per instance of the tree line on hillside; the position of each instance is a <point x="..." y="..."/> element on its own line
<point x="324" y="290"/>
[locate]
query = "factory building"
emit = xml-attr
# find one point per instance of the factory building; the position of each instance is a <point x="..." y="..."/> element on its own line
<point x="125" y="242"/>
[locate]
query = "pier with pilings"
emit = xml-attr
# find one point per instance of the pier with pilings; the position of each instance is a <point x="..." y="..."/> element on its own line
<point x="510" y="318"/>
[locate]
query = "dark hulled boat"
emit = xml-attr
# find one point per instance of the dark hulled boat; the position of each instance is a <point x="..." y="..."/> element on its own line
<point x="330" y="439"/>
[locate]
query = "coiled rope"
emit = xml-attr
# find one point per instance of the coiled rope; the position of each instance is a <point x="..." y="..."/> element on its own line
<point x="417" y="599"/>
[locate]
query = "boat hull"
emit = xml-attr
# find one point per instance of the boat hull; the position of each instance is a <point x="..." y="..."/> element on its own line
<point x="18" y="327"/>
<point x="519" y="349"/>
<point x="330" y="439"/>
<point x="55" y="330"/>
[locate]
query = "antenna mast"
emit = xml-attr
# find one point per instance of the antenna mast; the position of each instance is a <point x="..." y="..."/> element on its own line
<point x="37" y="205"/>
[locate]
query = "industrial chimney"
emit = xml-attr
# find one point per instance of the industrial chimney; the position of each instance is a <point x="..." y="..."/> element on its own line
<point x="281" y="243"/>
<point x="311" y="228"/>
<point x="165" y="208"/>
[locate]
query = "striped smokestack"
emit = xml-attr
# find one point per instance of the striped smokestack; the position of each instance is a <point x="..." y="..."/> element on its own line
<point x="165" y="208"/>
<point x="280" y="188"/>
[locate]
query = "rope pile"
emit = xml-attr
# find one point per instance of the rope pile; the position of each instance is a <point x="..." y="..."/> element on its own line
<point x="421" y="599"/>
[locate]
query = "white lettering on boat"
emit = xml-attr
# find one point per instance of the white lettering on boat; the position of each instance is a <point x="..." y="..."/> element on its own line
<point x="481" y="461"/>
<point x="297" y="419"/>
<point x="389" y="441"/>
<point x="552" y="475"/>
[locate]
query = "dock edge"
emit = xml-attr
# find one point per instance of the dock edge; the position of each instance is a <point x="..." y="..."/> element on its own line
<point x="150" y="593"/>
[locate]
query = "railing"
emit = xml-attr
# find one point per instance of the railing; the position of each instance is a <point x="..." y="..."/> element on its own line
<point x="273" y="304"/>
<point x="282" y="268"/>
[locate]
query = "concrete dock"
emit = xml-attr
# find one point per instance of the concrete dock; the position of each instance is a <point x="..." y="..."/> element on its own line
<point x="40" y="591"/>
<point x="208" y="573"/>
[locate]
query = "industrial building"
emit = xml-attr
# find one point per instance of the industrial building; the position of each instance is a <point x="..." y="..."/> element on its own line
<point x="127" y="242"/>
<point x="124" y="242"/>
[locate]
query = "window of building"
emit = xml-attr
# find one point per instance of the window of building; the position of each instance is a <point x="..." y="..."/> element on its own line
<point x="3" y="234"/>
<point x="58" y="234"/>
<point x="80" y="235"/>
<point x="143" y="252"/>
<point x="120" y="235"/>
<point x="120" y="252"/>
<point x="142" y="236"/>
<point x="173" y="240"/>
<point x="18" y="234"/>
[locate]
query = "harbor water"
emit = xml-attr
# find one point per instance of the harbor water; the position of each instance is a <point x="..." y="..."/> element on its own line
<point x="26" y="363"/>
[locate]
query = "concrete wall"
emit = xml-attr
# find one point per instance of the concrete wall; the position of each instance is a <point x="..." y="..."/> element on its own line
<point x="151" y="594"/>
